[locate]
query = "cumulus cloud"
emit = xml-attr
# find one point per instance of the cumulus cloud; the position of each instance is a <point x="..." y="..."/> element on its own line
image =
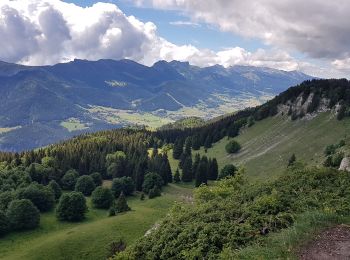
<point x="37" y="32"/>
<point x="49" y="31"/>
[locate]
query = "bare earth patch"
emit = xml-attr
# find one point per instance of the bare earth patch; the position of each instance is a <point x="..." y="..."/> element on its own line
<point x="333" y="243"/>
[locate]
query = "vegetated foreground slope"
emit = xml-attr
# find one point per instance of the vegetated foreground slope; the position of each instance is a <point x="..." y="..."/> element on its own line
<point x="90" y="239"/>
<point x="231" y="220"/>
<point x="268" y="144"/>
<point x="235" y="214"/>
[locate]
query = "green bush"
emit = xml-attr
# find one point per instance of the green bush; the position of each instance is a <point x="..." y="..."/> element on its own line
<point x="102" y="198"/>
<point x="227" y="170"/>
<point x="329" y="150"/>
<point x="154" y="192"/>
<point x="337" y="158"/>
<point x="5" y="198"/>
<point x="4" y="224"/>
<point x="111" y="211"/>
<point x="69" y="179"/>
<point x="232" y="147"/>
<point x="85" y="184"/>
<point x="56" y="189"/>
<point x="42" y="197"/>
<point x="121" y="205"/>
<point x="22" y="215"/>
<point x="151" y="181"/>
<point x="123" y="184"/>
<point x="71" y="207"/>
<point x="97" y="177"/>
<point x="334" y="160"/>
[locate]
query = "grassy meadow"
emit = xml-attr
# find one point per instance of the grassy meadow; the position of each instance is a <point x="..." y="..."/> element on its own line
<point x="268" y="144"/>
<point x="90" y="239"/>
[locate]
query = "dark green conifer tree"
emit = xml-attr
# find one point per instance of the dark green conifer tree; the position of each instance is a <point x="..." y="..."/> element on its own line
<point x="121" y="205"/>
<point x="187" y="171"/>
<point x="201" y="173"/>
<point x="291" y="160"/>
<point x="196" y="144"/>
<point x="197" y="159"/>
<point x="177" y="176"/>
<point x="208" y="141"/>
<point x="178" y="148"/>
<point x="188" y="145"/>
<point x="213" y="169"/>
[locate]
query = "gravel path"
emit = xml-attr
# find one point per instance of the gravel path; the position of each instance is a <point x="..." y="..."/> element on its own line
<point x="331" y="244"/>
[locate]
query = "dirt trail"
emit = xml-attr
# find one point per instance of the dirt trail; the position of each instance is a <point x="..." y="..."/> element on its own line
<point x="331" y="244"/>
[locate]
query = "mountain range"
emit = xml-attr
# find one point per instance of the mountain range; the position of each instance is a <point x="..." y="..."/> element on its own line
<point x="45" y="104"/>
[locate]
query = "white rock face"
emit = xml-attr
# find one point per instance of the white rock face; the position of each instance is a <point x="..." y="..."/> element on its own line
<point x="345" y="164"/>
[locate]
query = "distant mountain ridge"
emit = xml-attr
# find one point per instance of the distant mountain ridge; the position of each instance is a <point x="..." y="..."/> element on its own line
<point x="44" y="104"/>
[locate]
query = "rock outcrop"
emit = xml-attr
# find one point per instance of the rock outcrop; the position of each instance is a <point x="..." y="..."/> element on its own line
<point x="345" y="164"/>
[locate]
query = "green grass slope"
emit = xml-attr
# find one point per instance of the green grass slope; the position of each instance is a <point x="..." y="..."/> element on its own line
<point x="268" y="144"/>
<point x="90" y="239"/>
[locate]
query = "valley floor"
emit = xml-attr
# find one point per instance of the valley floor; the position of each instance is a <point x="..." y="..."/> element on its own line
<point x="91" y="239"/>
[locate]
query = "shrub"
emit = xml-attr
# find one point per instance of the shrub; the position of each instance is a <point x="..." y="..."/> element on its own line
<point x="71" y="207"/>
<point x="5" y="198"/>
<point x="292" y="160"/>
<point x="85" y="184"/>
<point x="42" y="197"/>
<point x="142" y="197"/>
<point x="152" y="180"/>
<point x="154" y="192"/>
<point x="232" y="147"/>
<point x="228" y="170"/>
<point x="334" y="160"/>
<point x="111" y="211"/>
<point x="337" y="158"/>
<point x="330" y="149"/>
<point x="22" y="215"/>
<point x="56" y="189"/>
<point x="235" y="213"/>
<point x="4" y="224"/>
<point x="115" y="247"/>
<point x="341" y="143"/>
<point x="102" y="198"/>
<point x="69" y="180"/>
<point x="121" y="204"/>
<point x="97" y="177"/>
<point x="123" y="184"/>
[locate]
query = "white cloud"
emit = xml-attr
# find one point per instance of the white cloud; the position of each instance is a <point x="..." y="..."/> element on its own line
<point x="38" y="32"/>
<point x="316" y="27"/>
<point x="50" y="31"/>
<point x="185" y="23"/>
<point x="343" y="64"/>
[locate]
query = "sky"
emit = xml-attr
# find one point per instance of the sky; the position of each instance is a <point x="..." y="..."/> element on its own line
<point x="310" y="36"/>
